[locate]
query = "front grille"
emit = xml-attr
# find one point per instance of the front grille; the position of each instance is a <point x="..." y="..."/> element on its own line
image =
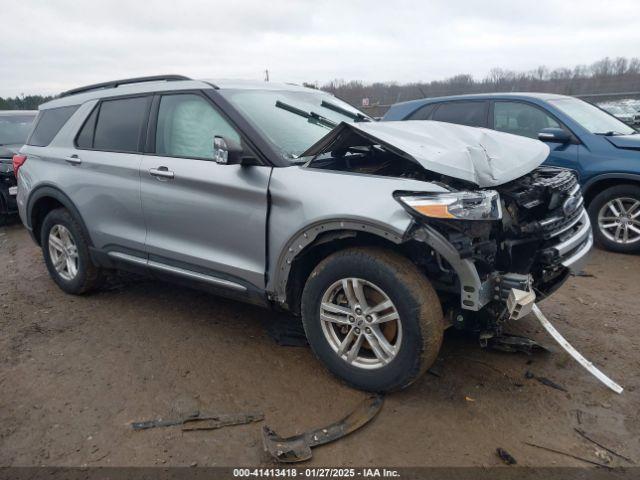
<point x="560" y="180"/>
<point x="557" y="224"/>
<point x="573" y="240"/>
<point x="545" y="203"/>
<point x="544" y="222"/>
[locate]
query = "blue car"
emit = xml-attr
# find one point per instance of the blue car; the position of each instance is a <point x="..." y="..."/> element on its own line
<point x="602" y="150"/>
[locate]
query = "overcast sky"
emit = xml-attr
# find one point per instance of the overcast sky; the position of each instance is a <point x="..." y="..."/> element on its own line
<point x="50" y="46"/>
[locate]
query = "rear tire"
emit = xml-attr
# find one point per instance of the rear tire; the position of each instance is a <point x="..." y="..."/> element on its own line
<point x="612" y="208"/>
<point x="66" y="253"/>
<point x="408" y="345"/>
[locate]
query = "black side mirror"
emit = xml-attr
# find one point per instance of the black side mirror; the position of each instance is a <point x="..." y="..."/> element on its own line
<point x="555" y="135"/>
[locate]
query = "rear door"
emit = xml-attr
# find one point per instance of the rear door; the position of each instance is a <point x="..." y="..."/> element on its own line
<point x="204" y="221"/>
<point x="527" y="120"/>
<point x="106" y="165"/>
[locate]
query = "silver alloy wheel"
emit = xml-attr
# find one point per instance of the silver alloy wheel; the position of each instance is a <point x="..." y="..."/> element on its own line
<point x="63" y="252"/>
<point x="360" y="323"/>
<point x="619" y="220"/>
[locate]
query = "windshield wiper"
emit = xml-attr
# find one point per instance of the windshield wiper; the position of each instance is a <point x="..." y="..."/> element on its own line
<point x="610" y="133"/>
<point x="358" y="117"/>
<point x="312" y="117"/>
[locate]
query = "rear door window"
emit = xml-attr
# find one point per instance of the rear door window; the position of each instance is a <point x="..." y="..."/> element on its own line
<point x="119" y="125"/>
<point x="464" y="113"/>
<point x="521" y="119"/>
<point x="423" y="113"/>
<point x="187" y="125"/>
<point x="48" y="125"/>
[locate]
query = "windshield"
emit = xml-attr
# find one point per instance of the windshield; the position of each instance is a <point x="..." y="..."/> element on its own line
<point x="292" y="120"/>
<point x="592" y="118"/>
<point x="15" y="128"/>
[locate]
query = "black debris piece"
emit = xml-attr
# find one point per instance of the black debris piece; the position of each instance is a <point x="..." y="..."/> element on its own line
<point x="582" y="273"/>
<point x="505" y="456"/>
<point x="545" y="381"/>
<point x="551" y="383"/>
<point x="515" y="344"/>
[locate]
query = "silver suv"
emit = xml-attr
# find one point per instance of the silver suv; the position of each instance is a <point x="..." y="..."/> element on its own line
<point x="379" y="235"/>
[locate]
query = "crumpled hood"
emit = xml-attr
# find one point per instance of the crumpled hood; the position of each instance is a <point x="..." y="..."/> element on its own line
<point x="484" y="157"/>
<point x="629" y="142"/>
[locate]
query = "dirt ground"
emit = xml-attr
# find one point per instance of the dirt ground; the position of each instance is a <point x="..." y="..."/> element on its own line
<point x="75" y="371"/>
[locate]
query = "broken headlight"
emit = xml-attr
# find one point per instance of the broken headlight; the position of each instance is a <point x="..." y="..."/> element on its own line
<point x="482" y="205"/>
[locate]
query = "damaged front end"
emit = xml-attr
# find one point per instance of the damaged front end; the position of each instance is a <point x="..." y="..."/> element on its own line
<point x="543" y="234"/>
<point x="503" y="222"/>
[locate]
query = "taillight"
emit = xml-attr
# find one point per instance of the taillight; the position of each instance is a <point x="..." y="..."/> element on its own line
<point x="18" y="161"/>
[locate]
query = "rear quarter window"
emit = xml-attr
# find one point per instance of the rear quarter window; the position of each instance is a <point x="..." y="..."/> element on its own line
<point x="48" y="124"/>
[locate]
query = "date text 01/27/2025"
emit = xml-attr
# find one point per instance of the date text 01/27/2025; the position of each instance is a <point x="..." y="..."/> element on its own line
<point x="316" y="472"/>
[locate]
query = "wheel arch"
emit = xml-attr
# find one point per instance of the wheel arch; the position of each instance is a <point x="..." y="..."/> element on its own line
<point x="45" y="199"/>
<point x="313" y="244"/>
<point x="310" y="245"/>
<point x="600" y="183"/>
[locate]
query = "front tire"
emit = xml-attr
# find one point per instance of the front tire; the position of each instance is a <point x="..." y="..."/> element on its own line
<point x="615" y="217"/>
<point x="66" y="253"/>
<point x="372" y="318"/>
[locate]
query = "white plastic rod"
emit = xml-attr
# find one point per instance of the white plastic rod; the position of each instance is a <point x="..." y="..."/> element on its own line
<point x="574" y="353"/>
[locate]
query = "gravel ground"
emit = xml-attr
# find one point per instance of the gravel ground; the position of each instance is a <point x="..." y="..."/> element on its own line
<point x="75" y="371"/>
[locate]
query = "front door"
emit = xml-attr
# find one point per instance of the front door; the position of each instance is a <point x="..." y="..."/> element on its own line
<point x="204" y="220"/>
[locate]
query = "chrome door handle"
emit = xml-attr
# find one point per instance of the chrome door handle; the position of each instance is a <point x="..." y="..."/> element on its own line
<point x="161" y="173"/>
<point x="73" y="160"/>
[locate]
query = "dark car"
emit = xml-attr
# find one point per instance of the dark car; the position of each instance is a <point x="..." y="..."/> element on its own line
<point x="14" y="128"/>
<point x="603" y="151"/>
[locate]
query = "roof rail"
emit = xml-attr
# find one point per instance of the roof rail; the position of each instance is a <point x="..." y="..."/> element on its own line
<point x="126" y="81"/>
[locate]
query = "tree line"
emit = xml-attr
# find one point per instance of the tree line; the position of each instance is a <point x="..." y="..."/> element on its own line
<point x="29" y="102"/>
<point x="609" y="75"/>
